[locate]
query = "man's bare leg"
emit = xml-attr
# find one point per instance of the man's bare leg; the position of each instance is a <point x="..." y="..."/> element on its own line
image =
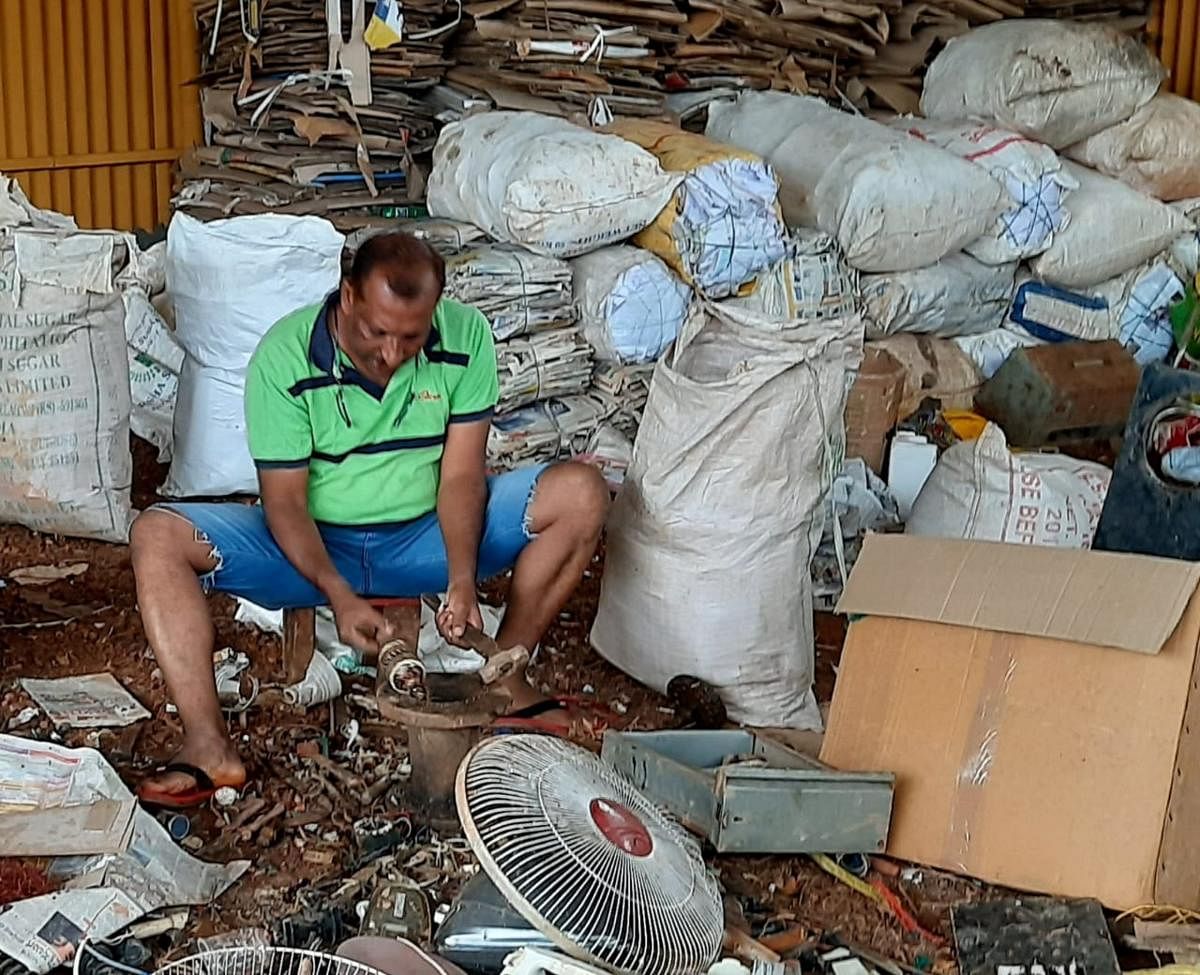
<point x="569" y="507"/>
<point x="167" y="557"/>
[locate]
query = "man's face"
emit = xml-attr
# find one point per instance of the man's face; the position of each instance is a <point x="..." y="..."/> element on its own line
<point x="381" y="331"/>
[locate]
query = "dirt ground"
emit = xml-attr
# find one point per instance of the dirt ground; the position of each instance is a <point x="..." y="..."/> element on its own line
<point x="295" y="821"/>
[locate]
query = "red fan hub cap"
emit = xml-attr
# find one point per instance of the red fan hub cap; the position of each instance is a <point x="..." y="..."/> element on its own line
<point x="621" y="827"/>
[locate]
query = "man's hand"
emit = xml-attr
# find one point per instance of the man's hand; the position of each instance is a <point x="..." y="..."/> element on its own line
<point x="460" y="610"/>
<point x="359" y="624"/>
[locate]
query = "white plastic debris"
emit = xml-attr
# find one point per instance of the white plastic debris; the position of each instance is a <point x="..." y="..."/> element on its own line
<point x="225" y="796"/>
<point x="437" y="655"/>
<point x="321" y="684"/>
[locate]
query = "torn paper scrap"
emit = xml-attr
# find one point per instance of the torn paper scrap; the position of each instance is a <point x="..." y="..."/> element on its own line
<point x="57" y="801"/>
<point x="44" y="932"/>
<point x="88" y="701"/>
<point x="43" y="575"/>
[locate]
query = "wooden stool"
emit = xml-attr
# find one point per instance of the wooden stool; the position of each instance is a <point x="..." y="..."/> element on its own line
<point x="300" y="632"/>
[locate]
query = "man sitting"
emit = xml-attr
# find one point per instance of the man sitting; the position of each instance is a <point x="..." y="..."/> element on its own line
<point x="367" y="417"/>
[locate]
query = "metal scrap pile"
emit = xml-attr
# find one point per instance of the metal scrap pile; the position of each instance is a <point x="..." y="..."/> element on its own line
<point x="303" y="117"/>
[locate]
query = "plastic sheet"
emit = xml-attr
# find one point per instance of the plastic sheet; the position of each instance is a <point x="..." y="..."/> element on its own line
<point x="630" y="303"/>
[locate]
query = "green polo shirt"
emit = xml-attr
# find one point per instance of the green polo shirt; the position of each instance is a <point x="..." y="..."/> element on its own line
<point x="373" y="455"/>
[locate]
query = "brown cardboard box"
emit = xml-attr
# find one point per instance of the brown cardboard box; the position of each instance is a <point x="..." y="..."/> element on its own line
<point x="1040" y="708"/>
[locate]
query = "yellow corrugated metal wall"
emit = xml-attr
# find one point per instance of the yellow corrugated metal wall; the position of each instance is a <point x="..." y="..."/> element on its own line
<point x="93" y="109"/>
<point x="1178" y="23"/>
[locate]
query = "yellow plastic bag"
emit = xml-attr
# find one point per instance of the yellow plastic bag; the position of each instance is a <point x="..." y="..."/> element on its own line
<point x="968" y="425"/>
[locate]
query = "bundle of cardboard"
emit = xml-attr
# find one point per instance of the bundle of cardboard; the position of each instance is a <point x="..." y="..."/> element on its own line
<point x="304" y="117"/>
<point x="565" y="57"/>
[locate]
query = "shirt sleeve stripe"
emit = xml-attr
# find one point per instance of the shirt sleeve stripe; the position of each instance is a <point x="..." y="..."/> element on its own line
<point x="472" y="417"/>
<point x="274" y="465"/>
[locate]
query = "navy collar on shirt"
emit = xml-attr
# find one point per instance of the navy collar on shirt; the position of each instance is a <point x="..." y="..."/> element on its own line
<point x="321" y="352"/>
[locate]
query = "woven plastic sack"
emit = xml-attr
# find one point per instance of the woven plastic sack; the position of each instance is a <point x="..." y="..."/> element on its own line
<point x="723" y="227"/>
<point x="1056" y="81"/>
<point x="892" y="202"/>
<point x="1157" y="151"/>
<point x="1185" y="250"/>
<point x="956" y="296"/>
<point x="726" y="488"/>
<point x="1031" y="173"/>
<point x="545" y="184"/>
<point x="155" y="360"/>
<point x="630" y="303"/>
<point x="981" y="491"/>
<point x="230" y="281"/>
<point x="65" y="466"/>
<point x="1113" y="229"/>
<point x="1132" y="307"/>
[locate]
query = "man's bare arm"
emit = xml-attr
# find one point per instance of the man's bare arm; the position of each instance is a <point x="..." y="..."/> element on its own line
<point x="285" y="503"/>
<point x="462" y="497"/>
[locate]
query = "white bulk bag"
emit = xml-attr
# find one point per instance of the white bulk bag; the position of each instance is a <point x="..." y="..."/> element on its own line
<point x="1185" y="251"/>
<point x="65" y="466"/>
<point x="230" y="281"/>
<point x="892" y="202"/>
<point x="1056" y="81"/>
<point x="1132" y="307"/>
<point x="1031" y="173"/>
<point x="981" y="491"/>
<point x="723" y="228"/>
<point x="631" y="305"/>
<point x="958" y="295"/>
<point x="1113" y="229"/>
<point x="541" y="182"/>
<point x="155" y="360"/>
<point x="1157" y="151"/>
<point x="711" y="539"/>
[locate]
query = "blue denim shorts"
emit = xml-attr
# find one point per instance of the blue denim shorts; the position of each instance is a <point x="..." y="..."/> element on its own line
<point x="401" y="560"/>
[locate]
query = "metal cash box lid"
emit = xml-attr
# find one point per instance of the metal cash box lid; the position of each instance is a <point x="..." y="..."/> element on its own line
<point x="748" y="794"/>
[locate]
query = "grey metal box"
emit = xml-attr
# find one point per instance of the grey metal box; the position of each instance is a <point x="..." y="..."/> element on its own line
<point x="783" y="802"/>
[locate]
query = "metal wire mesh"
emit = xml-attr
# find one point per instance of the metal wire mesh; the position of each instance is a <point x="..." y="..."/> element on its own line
<point x="525" y="802"/>
<point x="264" y="960"/>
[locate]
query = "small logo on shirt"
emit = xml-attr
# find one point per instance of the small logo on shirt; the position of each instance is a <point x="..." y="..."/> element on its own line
<point x="429" y="396"/>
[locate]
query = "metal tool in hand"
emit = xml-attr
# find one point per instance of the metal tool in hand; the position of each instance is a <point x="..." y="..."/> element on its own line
<point x="497" y="664"/>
